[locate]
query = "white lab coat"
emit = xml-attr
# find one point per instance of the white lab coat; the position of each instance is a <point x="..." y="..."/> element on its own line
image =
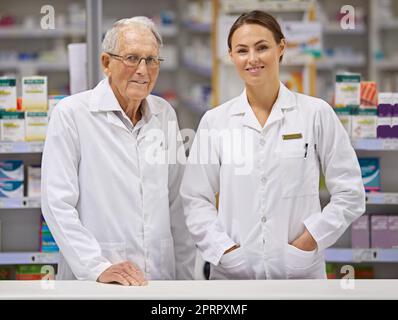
<point x="103" y="202"/>
<point x="268" y="207"/>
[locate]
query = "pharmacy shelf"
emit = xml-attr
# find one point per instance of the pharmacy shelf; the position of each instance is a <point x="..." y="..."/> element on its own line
<point x="197" y="27"/>
<point x="21" y="147"/>
<point x="11" y="258"/>
<point x="239" y="6"/>
<point x="387" y="64"/>
<point x="388" y="24"/>
<point x="36" y="65"/>
<point x="372" y="198"/>
<point x="204" y="71"/>
<point x="361" y="255"/>
<point x="168" y="31"/>
<point x="331" y="65"/>
<point x="336" y="29"/>
<point x="28" y="33"/>
<point x="375" y="144"/>
<point x="376" y="198"/>
<point x="194" y="106"/>
<point x="20" y="203"/>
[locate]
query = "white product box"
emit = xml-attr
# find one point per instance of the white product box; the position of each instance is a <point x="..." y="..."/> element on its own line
<point x="36" y="126"/>
<point x="34" y="181"/>
<point x="12" y="126"/>
<point x="364" y="126"/>
<point x="8" y="93"/>
<point x="11" y="189"/>
<point x="12" y="170"/>
<point x="348" y="90"/>
<point x="34" y="93"/>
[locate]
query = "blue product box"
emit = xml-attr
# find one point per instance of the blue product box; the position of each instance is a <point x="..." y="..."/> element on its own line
<point x="370" y="168"/>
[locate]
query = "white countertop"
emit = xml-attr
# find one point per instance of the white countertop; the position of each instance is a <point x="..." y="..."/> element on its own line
<point x="202" y="290"/>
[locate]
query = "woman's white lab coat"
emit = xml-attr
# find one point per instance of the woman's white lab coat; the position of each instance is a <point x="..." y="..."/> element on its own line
<point x="103" y="201"/>
<point x="269" y="188"/>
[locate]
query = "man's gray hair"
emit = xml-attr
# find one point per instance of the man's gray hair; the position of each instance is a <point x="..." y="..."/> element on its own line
<point x="109" y="44"/>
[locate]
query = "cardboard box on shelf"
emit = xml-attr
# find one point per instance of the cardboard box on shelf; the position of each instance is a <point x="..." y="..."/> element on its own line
<point x="12" y="126"/>
<point x="8" y="93"/>
<point x="34" y="93"/>
<point x="379" y="232"/>
<point x="360" y="233"/>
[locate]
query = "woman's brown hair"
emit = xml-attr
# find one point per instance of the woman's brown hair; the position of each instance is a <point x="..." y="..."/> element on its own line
<point x="261" y="18"/>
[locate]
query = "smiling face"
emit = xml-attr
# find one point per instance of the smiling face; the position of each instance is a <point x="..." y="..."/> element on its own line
<point x="256" y="54"/>
<point x="132" y="83"/>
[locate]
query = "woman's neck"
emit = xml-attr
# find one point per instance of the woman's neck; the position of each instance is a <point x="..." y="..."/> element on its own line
<point x="262" y="98"/>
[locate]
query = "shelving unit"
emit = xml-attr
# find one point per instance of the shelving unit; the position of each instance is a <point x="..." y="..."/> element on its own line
<point x="348" y="255"/>
<point x="13" y="258"/>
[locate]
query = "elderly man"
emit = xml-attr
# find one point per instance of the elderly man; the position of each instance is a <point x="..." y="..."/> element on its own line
<point x="114" y="212"/>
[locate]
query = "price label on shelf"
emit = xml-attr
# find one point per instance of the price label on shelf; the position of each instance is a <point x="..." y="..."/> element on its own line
<point x="361" y="255"/>
<point x="375" y="198"/>
<point x="390" y="144"/>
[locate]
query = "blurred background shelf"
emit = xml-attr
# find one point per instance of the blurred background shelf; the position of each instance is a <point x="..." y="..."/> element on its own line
<point x="21" y="147"/>
<point x="20" y="203"/>
<point x="12" y="258"/>
<point x="375" y="144"/>
<point x="348" y="255"/>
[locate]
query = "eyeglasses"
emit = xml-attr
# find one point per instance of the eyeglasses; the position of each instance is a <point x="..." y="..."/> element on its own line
<point x="133" y="60"/>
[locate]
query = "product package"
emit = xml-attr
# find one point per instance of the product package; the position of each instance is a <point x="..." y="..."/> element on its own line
<point x="360" y="233"/>
<point x="379" y="232"/>
<point x="370" y="169"/>
<point x="348" y="93"/>
<point x="11" y="189"/>
<point x="369" y="95"/>
<point x="12" y="126"/>
<point x="34" y="93"/>
<point x="47" y="242"/>
<point x="384" y="115"/>
<point x="36" y="126"/>
<point x="8" y="93"/>
<point x="364" y="124"/>
<point x="394" y="121"/>
<point x="11" y="170"/>
<point x="34" y="181"/>
<point x="28" y="272"/>
<point x="393" y="230"/>
<point x="6" y="273"/>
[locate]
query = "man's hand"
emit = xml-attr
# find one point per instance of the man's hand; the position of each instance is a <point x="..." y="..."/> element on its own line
<point x="305" y="242"/>
<point x="125" y="273"/>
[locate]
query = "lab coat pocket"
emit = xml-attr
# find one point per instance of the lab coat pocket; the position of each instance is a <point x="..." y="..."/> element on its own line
<point x="298" y="172"/>
<point x="233" y="266"/>
<point x="168" y="271"/>
<point x="115" y="252"/>
<point x="301" y="264"/>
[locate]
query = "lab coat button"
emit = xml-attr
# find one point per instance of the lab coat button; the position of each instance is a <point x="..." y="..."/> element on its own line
<point x="262" y="142"/>
<point x="263" y="180"/>
<point x="263" y="219"/>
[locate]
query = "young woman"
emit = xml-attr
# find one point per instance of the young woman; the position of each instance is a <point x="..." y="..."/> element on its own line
<point x="269" y="223"/>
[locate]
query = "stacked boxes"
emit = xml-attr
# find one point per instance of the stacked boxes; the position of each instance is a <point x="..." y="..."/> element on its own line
<point x="375" y="231"/>
<point x="360" y="232"/>
<point x="11" y="179"/>
<point x="47" y="242"/>
<point x="34" y="181"/>
<point x="387" y="125"/>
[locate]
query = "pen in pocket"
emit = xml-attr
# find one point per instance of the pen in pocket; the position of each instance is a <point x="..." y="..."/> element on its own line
<point x="306" y="148"/>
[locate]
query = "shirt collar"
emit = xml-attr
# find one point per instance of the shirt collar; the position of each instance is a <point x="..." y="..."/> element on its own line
<point x="104" y="99"/>
<point x="285" y="100"/>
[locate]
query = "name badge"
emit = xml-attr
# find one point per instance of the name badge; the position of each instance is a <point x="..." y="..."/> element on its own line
<point x="292" y="136"/>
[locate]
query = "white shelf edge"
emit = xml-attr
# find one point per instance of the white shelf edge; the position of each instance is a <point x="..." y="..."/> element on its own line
<point x="22" y="32"/>
<point x="21" y="147"/>
<point x="335" y="29"/>
<point x="351" y="255"/>
<point x="375" y="144"/>
<point x="372" y="198"/>
<point x="197" y="27"/>
<point x="39" y="65"/>
<point x="387" y="64"/>
<point x="20" y="203"/>
<point x="12" y="258"/>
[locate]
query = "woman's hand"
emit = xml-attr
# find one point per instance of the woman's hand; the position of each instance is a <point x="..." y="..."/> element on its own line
<point x="305" y="242"/>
